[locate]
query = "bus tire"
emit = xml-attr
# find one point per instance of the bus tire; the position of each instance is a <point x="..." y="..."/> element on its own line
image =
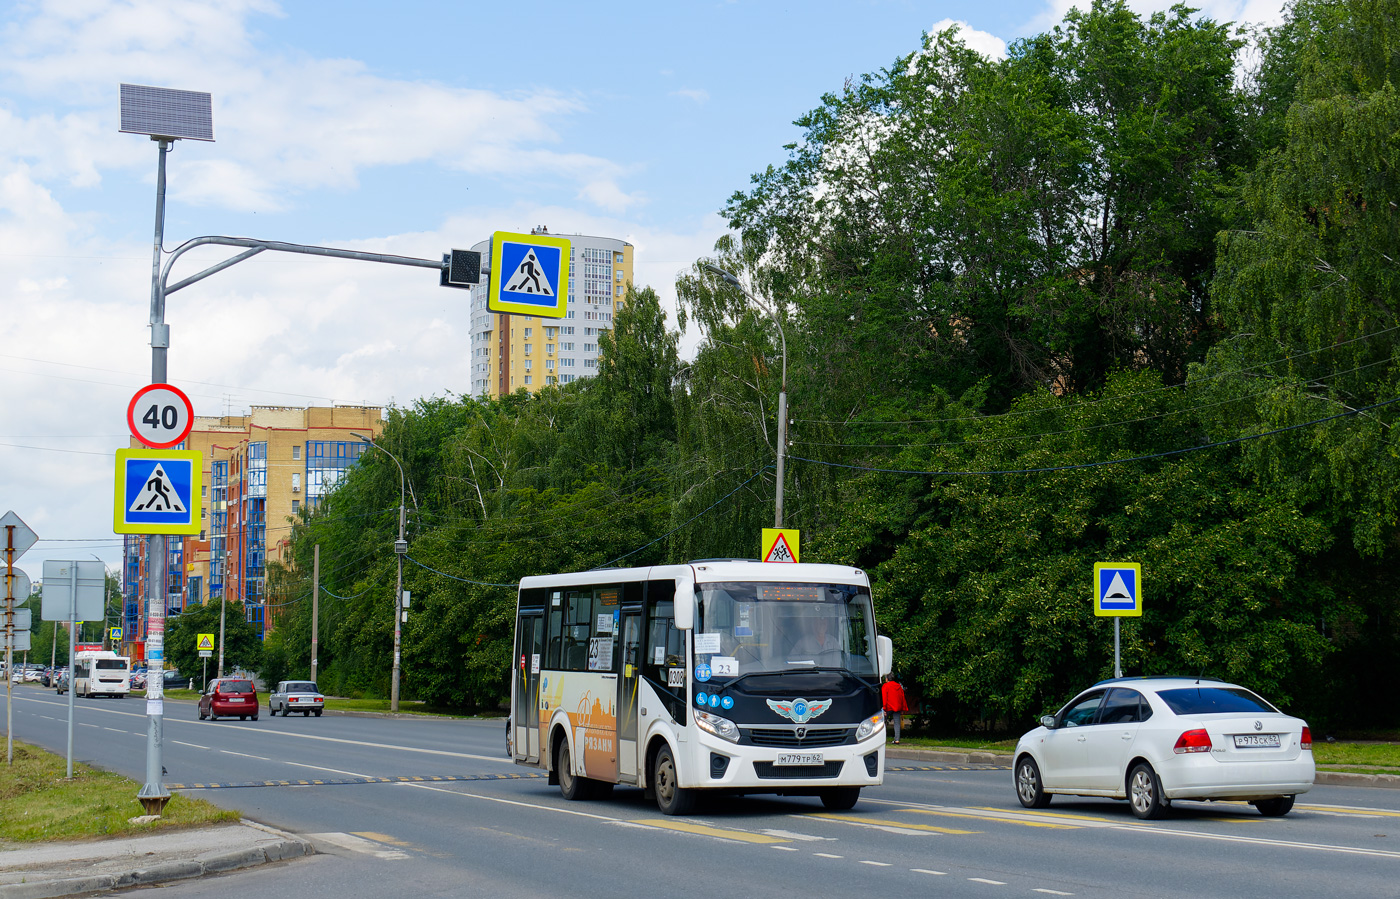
<point x="571" y="785"/>
<point x="841" y="798"/>
<point x="671" y="797"/>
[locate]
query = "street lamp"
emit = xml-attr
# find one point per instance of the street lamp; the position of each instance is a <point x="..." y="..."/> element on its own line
<point x="782" y="392"/>
<point x="400" y="550"/>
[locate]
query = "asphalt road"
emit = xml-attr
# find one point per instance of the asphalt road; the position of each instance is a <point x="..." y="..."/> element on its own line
<point x="488" y="827"/>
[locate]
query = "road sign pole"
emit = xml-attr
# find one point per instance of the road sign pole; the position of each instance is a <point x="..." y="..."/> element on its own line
<point x="9" y="643"/>
<point x="1117" y="659"/>
<point x="72" y="646"/>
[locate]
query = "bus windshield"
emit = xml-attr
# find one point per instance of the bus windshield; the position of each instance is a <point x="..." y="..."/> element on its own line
<point x="747" y="628"/>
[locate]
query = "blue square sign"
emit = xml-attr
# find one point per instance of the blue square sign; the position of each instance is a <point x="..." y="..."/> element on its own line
<point x="157" y="491"/>
<point x="1118" y="589"/>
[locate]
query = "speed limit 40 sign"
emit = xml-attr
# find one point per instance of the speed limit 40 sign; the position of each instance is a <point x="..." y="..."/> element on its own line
<point x="160" y="415"/>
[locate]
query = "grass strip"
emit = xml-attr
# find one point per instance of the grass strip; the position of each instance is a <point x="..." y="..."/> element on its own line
<point x="41" y="804"/>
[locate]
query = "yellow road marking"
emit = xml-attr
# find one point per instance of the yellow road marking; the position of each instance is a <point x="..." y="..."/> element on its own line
<point x="1359" y="812"/>
<point x="898" y="825"/>
<point x="707" y="831"/>
<point x="379" y="837"/>
<point x="1040" y="814"/>
<point x="1008" y="820"/>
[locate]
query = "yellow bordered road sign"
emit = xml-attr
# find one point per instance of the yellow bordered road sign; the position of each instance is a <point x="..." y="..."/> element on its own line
<point x="529" y="274"/>
<point x="114" y="633"/>
<point x="781" y="545"/>
<point x="203" y="641"/>
<point x="157" y="491"/>
<point x="1118" y="589"/>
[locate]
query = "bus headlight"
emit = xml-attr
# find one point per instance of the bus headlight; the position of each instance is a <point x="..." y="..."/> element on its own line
<point x="720" y="727"/>
<point x="870" y="725"/>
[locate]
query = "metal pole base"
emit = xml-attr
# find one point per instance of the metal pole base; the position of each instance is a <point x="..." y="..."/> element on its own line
<point x="153" y="805"/>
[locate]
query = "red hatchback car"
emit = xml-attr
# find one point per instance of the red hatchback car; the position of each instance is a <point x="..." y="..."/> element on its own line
<point x="229" y="696"/>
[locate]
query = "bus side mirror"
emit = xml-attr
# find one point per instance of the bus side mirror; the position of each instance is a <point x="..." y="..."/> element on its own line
<point x="884" y="651"/>
<point x="685" y="604"/>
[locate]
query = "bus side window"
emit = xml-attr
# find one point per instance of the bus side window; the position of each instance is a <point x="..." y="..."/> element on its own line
<point x="555" y="647"/>
<point x="577" y="629"/>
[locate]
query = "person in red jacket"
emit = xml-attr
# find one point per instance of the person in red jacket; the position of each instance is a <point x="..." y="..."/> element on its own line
<point x="892" y="695"/>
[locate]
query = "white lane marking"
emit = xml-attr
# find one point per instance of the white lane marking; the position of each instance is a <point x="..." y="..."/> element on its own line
<point x="790" y="835"/>
<point x="1052" y="892"/>
<point x="357" y="844"/>
<point x="191" y="745"/>
<point x="927" y="871"/>
<point x="995" y="883"/>
<point x="245" y="755"/>
<point x="115" y="731"/>
<point x="293" y="734"/>
<point x="786" y="848"/>
<point x="876" y="864"/>
<point x="1138" y="827"/>
<point x="827" y="855"/>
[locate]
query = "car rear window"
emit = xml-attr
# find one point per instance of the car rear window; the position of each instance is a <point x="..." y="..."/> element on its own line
<point x="301" y="687"/>
<point x="236" y="686"/>
<point x="111" y="664"/>
<point x="1201" y="700"/>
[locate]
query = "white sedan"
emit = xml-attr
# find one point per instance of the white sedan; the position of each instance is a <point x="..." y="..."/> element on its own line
<point x="1154" y="739"/>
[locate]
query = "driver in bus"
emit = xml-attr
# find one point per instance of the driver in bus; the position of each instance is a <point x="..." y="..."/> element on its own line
<point x="817" y="638"/>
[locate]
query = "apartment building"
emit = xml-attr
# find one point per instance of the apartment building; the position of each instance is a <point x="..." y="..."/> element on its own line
<point x="514" y="352"/>
<point x="260" y="471"/>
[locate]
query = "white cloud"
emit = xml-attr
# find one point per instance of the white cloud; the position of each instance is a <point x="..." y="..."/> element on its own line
<point x="699" y="96"/>
<point x="985" y="43"/>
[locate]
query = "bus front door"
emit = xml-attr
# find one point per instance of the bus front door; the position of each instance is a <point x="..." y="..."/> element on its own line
<point x="525" y="716"/>
<point x="627" y="696"/>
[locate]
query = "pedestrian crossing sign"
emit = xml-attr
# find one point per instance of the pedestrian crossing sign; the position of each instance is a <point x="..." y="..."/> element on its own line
<point x="529" y="275"/>
<point x="157" y="491"/>
<point x="204" y="642"/>
<point x="1118" y="589"/>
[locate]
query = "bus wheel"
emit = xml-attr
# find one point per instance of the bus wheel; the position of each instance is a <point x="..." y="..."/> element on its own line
<point x="671" y="797"/>
<point x="840" y="798"/>
<point x="570" y="784"/>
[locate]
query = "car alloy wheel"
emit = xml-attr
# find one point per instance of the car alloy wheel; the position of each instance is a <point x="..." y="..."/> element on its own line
<point x="1028" y="785"/>
<point x="1145" y="793"/>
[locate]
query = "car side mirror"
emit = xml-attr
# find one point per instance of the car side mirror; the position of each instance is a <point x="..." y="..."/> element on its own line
<point x="1048" y="722"/>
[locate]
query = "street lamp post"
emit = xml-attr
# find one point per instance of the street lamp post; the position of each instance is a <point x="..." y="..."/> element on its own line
<point x="400" y="550"/>
<point x="728" y="278"/>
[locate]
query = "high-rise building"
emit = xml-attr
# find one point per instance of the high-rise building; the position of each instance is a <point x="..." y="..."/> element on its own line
<point x="511" y="352"/>
<point x="260" y="471"/>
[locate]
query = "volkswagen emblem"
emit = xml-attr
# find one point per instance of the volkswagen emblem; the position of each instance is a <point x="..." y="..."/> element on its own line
<point x="1259" y="725"/>
<point x="802" y="733"/>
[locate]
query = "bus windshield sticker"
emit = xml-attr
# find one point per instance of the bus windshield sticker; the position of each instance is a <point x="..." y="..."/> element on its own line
<point x="660" y="657"/>
<point x="675" y="677"/>
<point x="605" y="623"/>
<point x="600" y="651"/>
<point x="702" y="673"/>
<point x="707" y="643"/>
<point x="724" y="666"/>
<point x="535" y="663"/>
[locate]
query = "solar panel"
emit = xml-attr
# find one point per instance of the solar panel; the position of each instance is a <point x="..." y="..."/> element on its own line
<point x="165" y="112"/>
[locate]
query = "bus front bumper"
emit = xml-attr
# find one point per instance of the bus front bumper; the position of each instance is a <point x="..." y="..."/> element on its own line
<point x="730" y="766"/>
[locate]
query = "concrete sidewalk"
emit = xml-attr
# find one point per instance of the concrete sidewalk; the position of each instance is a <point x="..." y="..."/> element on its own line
<point x="43" y="870"/>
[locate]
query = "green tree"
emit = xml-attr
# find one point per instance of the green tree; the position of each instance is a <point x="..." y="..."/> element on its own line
<point x="242" y="648"/>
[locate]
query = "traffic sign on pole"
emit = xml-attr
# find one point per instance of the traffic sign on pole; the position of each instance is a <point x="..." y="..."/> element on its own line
<point x="1118" y="589"/>
<point x="160" y="415"/>
<point x="157" y="491"/>
<point x="529" y="275"/>
<point x="23" y="536"/>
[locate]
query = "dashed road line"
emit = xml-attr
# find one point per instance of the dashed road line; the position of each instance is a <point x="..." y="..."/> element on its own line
<point x="947" y="767"/>
<point x="995" y="883"/>
<point x="723" y="833"/>
<point x="890" y="826"/>
<point x="876" y="864"/>
<point x="927" y="871"/>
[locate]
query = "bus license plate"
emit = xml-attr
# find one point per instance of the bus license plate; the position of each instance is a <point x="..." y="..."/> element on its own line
<point x="788" y="759"/>
<point x="1257" y="741"/>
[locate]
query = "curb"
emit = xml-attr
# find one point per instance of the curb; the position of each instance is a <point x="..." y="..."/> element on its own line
<point x="210" y="863"/>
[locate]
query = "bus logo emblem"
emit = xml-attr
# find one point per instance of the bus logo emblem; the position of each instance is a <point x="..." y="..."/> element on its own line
<point x="799" y="711"/>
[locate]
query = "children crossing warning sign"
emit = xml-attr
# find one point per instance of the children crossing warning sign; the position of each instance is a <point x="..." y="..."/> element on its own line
<point x="780" y="545"/>
<point x="156" y="491"/>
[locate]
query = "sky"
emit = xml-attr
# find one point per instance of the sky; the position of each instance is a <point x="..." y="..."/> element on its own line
<point x="408" y="128"/>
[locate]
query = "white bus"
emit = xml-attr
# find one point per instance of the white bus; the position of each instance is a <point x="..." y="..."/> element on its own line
<point x="731" y="676"/>
<point x="101" y="673"/>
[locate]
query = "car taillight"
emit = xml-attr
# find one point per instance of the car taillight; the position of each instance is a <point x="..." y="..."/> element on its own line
<point x="1193" y="741"/>
<point x="1307" y="738"/>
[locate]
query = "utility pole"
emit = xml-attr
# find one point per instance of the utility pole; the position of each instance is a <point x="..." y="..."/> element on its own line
<point x="315" y="606"/>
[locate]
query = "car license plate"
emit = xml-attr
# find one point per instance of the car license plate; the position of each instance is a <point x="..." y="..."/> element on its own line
<point x="1257" y="741"/>
<point x="235" y="699"/>
<point x="787" y="759"/>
